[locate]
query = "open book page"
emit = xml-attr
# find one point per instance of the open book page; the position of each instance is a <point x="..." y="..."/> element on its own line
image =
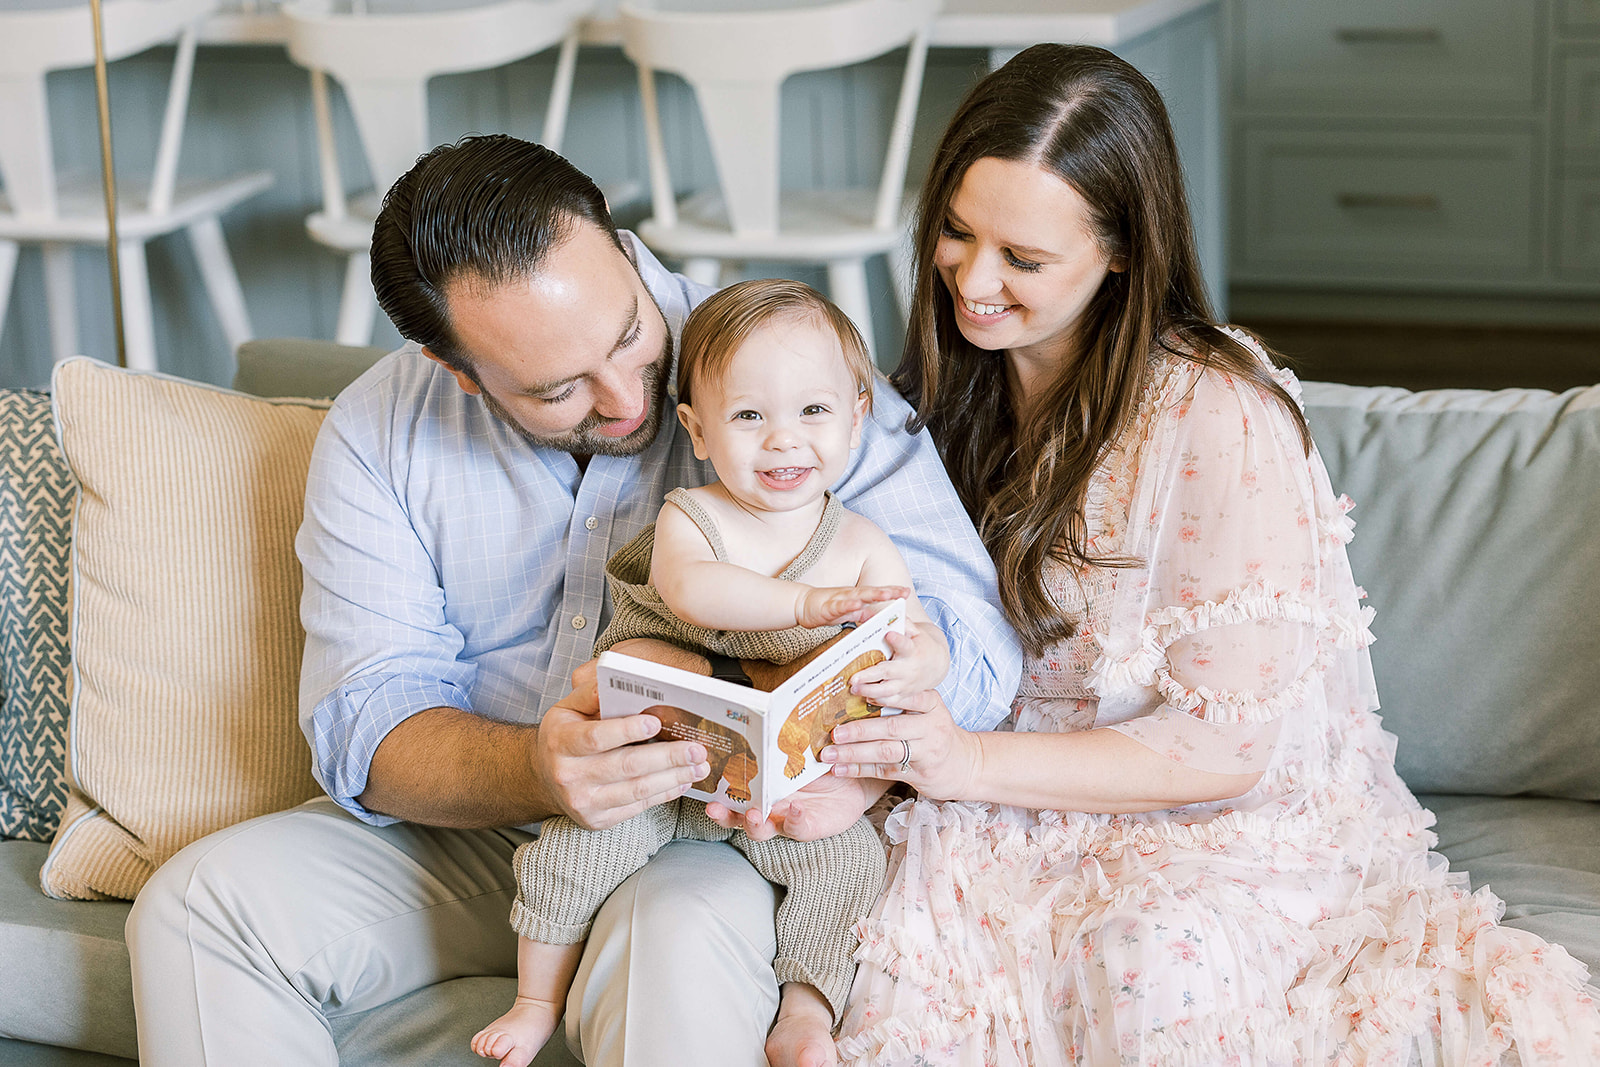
<point x="761" y="746"/>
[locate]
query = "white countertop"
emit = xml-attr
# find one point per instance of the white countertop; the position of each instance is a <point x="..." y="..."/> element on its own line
<point x="961" y="24"/>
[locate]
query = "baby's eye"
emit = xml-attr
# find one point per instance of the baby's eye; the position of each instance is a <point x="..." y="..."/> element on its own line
<point x="746" y="416"/>
<point x="814" y="409"/>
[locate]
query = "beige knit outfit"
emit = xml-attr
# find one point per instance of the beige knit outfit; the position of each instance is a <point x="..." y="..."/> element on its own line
<point x="639" y="611"/>
<point x="565" y="874"/>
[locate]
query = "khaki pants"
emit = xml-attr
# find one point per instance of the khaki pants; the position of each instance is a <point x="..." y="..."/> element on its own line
<point x="247" y="941"/>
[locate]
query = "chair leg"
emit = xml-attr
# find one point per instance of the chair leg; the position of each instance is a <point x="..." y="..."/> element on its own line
<point x="138" y="322"/>
<point x="8" y="271"/>
<point x="704" y="271"/>
<point x="221" y="280"/>
<point x="847" y="284"/>
<point x="357" y="305"/>
<point x="61" y="298"/>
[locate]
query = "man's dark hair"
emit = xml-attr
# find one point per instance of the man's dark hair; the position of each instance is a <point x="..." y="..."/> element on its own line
<point x="489" y="208"/>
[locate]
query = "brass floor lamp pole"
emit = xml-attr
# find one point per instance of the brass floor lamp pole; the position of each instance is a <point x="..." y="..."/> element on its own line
<point x="109" y="176"/>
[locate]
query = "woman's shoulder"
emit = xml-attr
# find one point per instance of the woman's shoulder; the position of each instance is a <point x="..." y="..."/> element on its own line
<point x="1181" y="376"/>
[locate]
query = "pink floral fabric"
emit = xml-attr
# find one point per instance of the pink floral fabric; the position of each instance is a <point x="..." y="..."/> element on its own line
<point x="1306" y="922"/>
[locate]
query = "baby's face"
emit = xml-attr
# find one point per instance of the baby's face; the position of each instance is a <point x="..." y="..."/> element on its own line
<point x="780" y="424"/>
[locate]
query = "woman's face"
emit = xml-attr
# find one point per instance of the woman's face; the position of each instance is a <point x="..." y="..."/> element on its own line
<point x="1020" y="261"/>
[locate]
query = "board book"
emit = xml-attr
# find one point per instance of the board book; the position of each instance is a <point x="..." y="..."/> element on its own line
<point x="761" y="746"/>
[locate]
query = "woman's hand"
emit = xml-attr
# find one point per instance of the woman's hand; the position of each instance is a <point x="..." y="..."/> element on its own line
<point x="918" y="660"/>
<point x="821" y="809"/>
<point x="945" y="761"/>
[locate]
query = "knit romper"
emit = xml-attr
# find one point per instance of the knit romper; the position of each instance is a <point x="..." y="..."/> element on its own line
<point x="567" y="872"/>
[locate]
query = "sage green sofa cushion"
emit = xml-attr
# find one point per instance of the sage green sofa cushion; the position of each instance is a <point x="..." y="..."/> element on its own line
<point x="65" y="979"/>
<point x="1541" y="855"/>
<point x="1478" y="541"/>
<point x="65" y="982"/>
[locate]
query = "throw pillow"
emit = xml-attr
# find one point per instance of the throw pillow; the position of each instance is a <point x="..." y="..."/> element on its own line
<point x="36" y="492"/>
<point x="186" y="637"/>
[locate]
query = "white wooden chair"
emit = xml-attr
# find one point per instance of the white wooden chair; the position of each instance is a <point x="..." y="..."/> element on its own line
<point x="57" y="211"/>
<point x="382" y="54"/>
<point x="736" y="62"/>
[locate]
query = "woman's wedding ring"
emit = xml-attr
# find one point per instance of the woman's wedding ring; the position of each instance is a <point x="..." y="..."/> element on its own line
<point x="905" y="760"/>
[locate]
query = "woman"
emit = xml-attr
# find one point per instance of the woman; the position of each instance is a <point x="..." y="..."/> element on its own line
<point x="1194" y="847"/>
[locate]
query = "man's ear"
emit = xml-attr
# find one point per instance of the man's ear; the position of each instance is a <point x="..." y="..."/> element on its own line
<point x="691" y="422"/>
<point x="856" y="418"/>
<point x="463" y="379"/>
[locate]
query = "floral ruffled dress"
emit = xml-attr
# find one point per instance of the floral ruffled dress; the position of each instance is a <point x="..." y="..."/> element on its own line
<point x="1305" y="922"/>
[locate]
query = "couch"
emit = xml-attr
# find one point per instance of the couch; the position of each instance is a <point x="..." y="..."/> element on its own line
<point x="1477" y="515"/>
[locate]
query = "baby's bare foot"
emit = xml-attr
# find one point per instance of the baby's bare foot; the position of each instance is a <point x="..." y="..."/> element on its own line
<point x="517" y="1036"/>
<point x="802" y="1036"/>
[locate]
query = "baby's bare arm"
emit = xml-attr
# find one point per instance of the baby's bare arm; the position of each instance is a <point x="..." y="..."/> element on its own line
<point x="922" y="659"/>
<point x="723" y="596"/>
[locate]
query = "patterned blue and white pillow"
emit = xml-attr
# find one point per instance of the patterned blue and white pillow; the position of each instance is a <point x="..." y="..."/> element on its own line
<point x="36" y="500"/>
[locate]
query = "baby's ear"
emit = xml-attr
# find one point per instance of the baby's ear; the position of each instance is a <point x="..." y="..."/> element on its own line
<point x="691" y="422"/>
<point x="857" y="417"/>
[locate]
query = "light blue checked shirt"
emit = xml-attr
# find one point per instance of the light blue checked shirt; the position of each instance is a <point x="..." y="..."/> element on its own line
<point x="449" y="563"/>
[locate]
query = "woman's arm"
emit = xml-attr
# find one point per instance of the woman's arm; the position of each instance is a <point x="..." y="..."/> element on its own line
<point x="1090" y="770"/>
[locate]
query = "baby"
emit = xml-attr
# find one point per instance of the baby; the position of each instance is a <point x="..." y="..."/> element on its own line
<point x="763" y="563"/>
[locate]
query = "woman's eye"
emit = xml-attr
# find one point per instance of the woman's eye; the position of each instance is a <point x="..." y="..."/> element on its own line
<point x="947" y="230"/>
<point x="1020" y="263"/>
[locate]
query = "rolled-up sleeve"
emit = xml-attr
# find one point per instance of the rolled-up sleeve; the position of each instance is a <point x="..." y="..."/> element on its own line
<point x="899" y="483"/>
<point x="379" y="648"/>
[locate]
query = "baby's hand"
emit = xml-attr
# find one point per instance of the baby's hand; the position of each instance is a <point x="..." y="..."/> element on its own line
<point x="832" y="605"/>
<point x="919" y="661"/>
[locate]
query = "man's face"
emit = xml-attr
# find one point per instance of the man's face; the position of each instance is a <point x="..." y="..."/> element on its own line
<point x="574" y="357"/>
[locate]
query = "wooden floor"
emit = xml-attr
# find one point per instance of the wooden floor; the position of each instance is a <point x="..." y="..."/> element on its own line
<point x="1435" y="357"/>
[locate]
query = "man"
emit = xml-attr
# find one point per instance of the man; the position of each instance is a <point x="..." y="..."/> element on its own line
<point x="463" y="499"/>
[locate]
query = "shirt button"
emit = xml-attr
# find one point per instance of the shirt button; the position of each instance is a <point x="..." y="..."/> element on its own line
<point x="590" y="523"/>
<point x="579" y="622"/>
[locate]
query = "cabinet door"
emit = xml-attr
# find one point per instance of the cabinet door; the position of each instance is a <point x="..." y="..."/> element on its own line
<point x="1578" y="107"/>
<point x="1390" y="57"/>
<point x="1577" y="238"/>
<point x="1408" y="206"/>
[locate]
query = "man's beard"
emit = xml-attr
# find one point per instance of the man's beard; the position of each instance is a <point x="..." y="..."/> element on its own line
<point x="585" y="438"/>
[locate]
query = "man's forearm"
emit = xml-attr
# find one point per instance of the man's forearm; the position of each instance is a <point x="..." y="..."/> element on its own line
<point x="447" y="767"/>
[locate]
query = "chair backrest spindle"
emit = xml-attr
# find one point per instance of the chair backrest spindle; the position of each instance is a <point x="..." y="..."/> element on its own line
<point x="736" y="64"/>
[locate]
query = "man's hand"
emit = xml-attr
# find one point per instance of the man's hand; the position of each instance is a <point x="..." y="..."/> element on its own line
<point x="596" y="773"/>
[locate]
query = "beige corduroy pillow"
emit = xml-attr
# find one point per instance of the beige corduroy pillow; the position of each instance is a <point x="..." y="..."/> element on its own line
<point x="185" y="627"/>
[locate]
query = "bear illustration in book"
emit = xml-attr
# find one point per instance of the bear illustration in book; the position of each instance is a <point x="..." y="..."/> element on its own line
<point x="726" y="749"/>
<point x="810" y="724"/>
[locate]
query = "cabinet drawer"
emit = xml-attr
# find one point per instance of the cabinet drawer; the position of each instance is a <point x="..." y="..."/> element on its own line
<point x="1578" y="229"/>
<point x="1578" y="108"/>
<point x="1395" y="206"/>
<point x="1389" y="57"/>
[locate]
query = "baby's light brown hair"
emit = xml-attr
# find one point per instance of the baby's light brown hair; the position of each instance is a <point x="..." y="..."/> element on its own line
<point x="725" y="320"/>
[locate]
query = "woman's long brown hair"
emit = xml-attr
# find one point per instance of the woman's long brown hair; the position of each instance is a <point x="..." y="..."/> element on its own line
<point x="1095" y="122"/>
